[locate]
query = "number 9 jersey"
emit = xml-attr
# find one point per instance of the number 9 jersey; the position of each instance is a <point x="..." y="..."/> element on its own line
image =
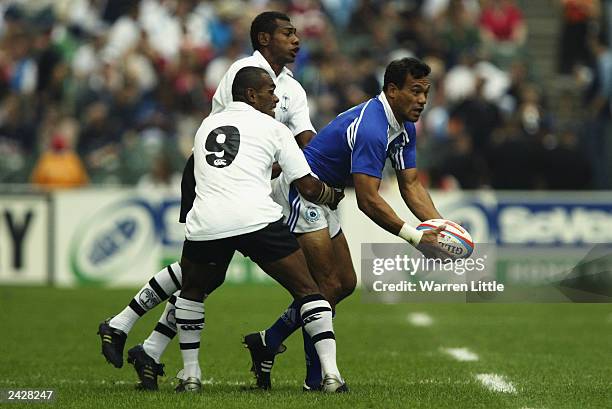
<point x="233" y="155"/>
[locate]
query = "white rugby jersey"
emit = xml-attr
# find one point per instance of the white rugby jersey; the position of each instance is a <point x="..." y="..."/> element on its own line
<point x="233" y="152"/>
<point x="292" y="107"/>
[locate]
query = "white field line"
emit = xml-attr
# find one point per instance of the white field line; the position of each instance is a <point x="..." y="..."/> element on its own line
<point x="461" y="354"/>
<point x="496" y="383"/>
<point x="419" y="319"/>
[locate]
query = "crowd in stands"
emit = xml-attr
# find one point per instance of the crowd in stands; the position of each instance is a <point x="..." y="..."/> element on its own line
<point x="112" y="91"/>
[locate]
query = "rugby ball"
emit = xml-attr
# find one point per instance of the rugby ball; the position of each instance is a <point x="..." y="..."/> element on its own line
<point x="454" y="239"/>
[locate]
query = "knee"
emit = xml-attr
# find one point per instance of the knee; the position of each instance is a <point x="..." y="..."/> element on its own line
<point x="331" y="290"/>
<point x="193" y="294"/>
<point x="340" y="287"/>
<point x="191" y="287"/>
<point x="348" y="287"/>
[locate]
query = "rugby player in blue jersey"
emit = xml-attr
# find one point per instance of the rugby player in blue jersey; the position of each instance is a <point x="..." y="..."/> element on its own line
<point x="353" y="147"/>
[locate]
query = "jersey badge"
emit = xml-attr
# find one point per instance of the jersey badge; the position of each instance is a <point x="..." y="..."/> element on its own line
<point x="312" y="214"/>
<point x="284" y="103"/>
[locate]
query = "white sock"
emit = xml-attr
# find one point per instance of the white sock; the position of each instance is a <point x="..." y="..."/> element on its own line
<point x="158" y="289"/>
<point x="189" y="323"/>
<point x="164" y="331"/>
<point x="125" y="320"/>
<point x="317" y="318"/>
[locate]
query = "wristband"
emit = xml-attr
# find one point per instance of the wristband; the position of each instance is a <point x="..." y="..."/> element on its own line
<point x="327" y="195"/>
<point x="410" y="234"/>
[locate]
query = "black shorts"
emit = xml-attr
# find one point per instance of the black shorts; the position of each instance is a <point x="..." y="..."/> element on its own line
<point x="271" y="243"/>
<point x="188" y="185"/>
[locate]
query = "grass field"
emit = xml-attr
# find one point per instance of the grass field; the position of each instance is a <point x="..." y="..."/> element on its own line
<point x="544" y="356"/>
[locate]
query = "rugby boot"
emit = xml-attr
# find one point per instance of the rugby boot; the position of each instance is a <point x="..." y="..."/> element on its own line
<point x="191" y="384"/>
<point x="146" y="368"/>
<point x="262" y="359"/>
<point x="113" y="342"/>
<point x="333" y="384"/>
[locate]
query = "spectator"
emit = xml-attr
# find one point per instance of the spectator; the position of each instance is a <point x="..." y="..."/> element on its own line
<point x="459" y="33"/>
<point x="607" y="6"/>
<point x="59" y="166"/>
<point x="161" y="176"/>
<point x="502" y="30"/>
<point x="23" y="70"/>
<point x="598" y="121"/>
<point x="577" y="18"/>
<point x="462" y="167"/>
<point x="481" y="117"/>
<point x="17" y="139"/>
<point x="99" y="142"/>
<point x="512" y="159"/>
<point x="564" y="166"/>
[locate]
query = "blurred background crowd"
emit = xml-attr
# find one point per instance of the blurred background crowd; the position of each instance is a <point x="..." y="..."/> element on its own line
<point x="112" y="91"/>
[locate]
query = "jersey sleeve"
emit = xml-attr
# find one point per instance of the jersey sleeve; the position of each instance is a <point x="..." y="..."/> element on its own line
<point x="403" y="154"/>
<point x="299" y="120"/>
<point x="223" y="94"/>
<point x="289" y="156"/>
<point x="369" y="139"/>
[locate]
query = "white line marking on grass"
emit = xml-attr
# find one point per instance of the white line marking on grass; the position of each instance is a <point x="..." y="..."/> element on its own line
<point x="102" y="382"/>
<point x="496" y="383"/>
<point x="420" y="319"/>
<point x="461" y="354"/>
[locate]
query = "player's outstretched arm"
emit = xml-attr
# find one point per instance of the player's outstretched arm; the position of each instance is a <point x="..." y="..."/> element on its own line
<point x="313" y="190"/>
<point x="416" y="196"/>
<point x="373" y="205"/>
<point x="378" y="210"/>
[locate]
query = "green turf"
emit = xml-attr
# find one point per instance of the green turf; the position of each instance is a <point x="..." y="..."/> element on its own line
<point x="557" y="355"/>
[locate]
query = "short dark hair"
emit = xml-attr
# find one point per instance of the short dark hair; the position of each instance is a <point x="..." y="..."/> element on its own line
<point x="247" y="77"/>
<point x="397" y="70"/>
<point x="265" y="23"/>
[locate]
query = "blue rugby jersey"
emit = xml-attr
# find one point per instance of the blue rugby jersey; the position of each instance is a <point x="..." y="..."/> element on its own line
<point x="359" y="141"/>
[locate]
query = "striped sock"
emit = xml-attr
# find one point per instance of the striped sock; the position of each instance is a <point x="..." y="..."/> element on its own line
<point x="316" y="315"/>
<point x="164" y="331"/>
<point x="158" y="289"/>
<point x="190" y="323"/>
<point x="313" y="365"/>
<point x="284" y="326"/>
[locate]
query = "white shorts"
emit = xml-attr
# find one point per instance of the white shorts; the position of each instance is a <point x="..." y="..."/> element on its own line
<point x="301" y="215"/>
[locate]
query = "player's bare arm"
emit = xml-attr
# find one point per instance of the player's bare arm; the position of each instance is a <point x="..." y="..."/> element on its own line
<point x="373" y="205"/>
<point x="303" y="138"/>
<point x="378" y="210"/>
<point x="312" y="189"/>
<point x="415" y="195"/>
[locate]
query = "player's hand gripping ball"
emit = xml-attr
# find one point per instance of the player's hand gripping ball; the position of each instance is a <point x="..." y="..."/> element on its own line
<point x="454" y="239"/>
